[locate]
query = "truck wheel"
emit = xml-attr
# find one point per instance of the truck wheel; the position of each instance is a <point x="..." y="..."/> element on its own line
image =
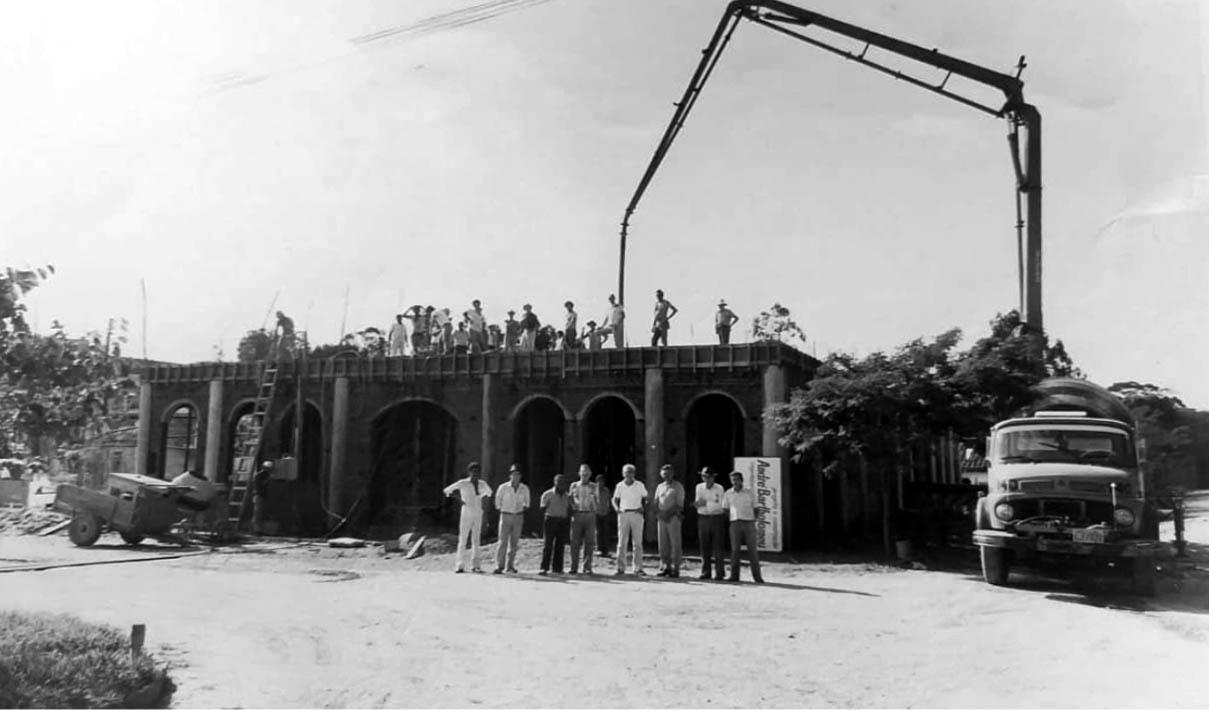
<point x="132" y="538"/>
<point x="85" y="528"/>
<point x="994" y="564"/>
<point x="1145" y="578"/>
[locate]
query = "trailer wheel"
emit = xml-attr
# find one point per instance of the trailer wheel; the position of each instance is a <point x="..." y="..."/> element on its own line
<point x="1145" y="578"/>
<point x="995" y="564"/>
<point x="85" y="528"/>
<point x="132" y="538"/>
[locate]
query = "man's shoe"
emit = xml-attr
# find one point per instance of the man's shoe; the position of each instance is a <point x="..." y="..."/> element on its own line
<point x="759" y="580"/>
<point x="675" y="574"/>
<point x="663" y="573"/>
<point x="477" y="570"/>
<point x="618" y="573"/>
<point x="513" y="570"/>
<point x="732" y="579"/>
<point x="459" y="570"/>
<point x="497" y="570"/>
<point x="574" y="571"/>
<point x="543" y="572"/>
<point x="703" y="576"/>
<point x="640" y="573"/>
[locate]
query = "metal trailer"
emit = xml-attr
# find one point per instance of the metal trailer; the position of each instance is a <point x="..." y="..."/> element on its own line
<point x="132" y="505"/>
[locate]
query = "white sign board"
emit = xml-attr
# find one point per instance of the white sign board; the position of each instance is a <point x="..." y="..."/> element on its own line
<point x="763" y="476"/>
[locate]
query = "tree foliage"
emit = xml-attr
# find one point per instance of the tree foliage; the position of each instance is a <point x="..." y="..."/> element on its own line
<point x="1165" y="424"/>
<point x="255" y="345"/>
<point x="54" y="389"/>
<point x="874" y="405"/>
<point x="777" y="323"/>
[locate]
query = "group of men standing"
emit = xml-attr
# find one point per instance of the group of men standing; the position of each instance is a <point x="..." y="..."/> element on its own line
<point x="576" y="512"/>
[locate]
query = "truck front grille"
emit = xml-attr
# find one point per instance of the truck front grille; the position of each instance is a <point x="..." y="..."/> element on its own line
<point x="1078" y="512"/>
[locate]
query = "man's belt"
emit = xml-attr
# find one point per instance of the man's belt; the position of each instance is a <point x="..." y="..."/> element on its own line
<point x="505" y="512"/>
<point x="632" y="510"/>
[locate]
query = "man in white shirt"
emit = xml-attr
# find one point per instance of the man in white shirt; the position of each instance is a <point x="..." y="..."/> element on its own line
<point x="614" y="322"/>
<point x="723" y="320"/>
<point x="570" y="327"/>
<point x="471" y="491"/>
<point x="669" y="508"/>
<point x="741" y="504"/>
<point x="629" y="500"/>
<point x="512" y="500"/>
<point x="477" y="325"/>
<point x="398" y="337"/>
<point x="584" y="503"/>
<point x="711" y="523"/>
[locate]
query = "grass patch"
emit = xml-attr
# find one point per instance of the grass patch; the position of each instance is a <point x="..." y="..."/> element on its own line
<point x="57" y="660"/>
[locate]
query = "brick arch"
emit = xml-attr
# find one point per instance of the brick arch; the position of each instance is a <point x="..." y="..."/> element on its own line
<point x="583" y="411"/>
<point x="533" y="397"/>
<point x="700" y="395"/>
<point x="409" y="400"/>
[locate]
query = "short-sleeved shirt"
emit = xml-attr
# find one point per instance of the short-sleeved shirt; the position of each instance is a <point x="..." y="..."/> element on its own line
<point x="475" y="320"/>
<point x="713" y="497"/>
<point x="510" y="500"/>
<point x="669" y="495"/>
<point x="741" y="504"/>
<point x="557" y="505"/>
<point x="629" y="497"/>
<point x="585" y="497"/>
<point x="472" y="493"/>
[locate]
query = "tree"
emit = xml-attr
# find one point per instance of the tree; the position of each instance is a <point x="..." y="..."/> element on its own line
<point x="777" y="324"/>
<point x="1166" y="426"/>
<point x="54" y="389"/>
<point x="255" y="345"/>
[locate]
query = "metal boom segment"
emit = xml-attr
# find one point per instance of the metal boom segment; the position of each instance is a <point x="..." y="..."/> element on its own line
<point x="787" y="19"/>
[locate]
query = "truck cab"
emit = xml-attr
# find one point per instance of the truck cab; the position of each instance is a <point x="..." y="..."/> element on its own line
<point x="1065" y="486"/>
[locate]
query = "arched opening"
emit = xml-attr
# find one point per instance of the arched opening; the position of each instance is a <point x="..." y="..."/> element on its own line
<point x="610" y="437"/>
<point x="310" y="456"/>
<point x="538" y="447"/>
<point x="178" y="449"/>
<point x="413" y="446"/>
<point x="714" y="437"/>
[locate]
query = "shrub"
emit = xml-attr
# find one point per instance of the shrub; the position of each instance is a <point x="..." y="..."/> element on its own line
<point x="57" y="660"/>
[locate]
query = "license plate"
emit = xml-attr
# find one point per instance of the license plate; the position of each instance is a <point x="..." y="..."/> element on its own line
<point x="1055" y="545"/>
<point x="1096" y="535"/>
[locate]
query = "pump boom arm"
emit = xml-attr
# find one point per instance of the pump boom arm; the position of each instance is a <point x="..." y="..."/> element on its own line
<point x="790" y="20"/>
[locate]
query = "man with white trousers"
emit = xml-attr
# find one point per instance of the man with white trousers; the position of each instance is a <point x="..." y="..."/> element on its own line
<point x="629" y="500"/>
<point x="471" y="491"/>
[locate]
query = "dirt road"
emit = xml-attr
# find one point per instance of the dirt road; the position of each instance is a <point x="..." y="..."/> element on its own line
<point x="310" y="626"/>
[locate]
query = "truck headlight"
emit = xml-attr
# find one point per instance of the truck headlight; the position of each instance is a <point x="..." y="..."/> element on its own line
<point x="1005" y="512"/>
<point x="1123" y="517"/>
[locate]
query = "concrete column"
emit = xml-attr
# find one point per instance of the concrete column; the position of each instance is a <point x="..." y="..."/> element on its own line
<point x="571" y="447"/>
<point x="335" y="482"/>
<point x="655" y="447"/>
<point x="142" y="454"/>
<point x="213" y="431"/>
<point x="487" y="454"/>
<point x="775" y="392"/>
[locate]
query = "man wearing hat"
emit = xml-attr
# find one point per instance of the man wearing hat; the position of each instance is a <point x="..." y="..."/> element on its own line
<point x="723" y="320"/>
<point x="512" y="332"/>
<point x="711" y="523"/>
<point x="471" y="491"/>
<point x="512" y="500"/>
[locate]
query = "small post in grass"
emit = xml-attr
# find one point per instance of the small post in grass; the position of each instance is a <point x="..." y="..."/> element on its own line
<point x="138" y="633"/>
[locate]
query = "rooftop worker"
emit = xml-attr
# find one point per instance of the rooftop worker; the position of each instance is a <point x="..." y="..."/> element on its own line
<point x="398" y="337"/>
<point x="512" y="332"/>
<point x="477" y="326"/>
<point x="461" y="338"/>
<point x="595" y="336"/>
<point x="570" y="342"/>
<point x="664" y="311"/>
<point x="529" y="326"/>
<point x="284" y="332"/>
<point x="723" y="320"/>
<point x="471" y="491"/>
<point x="614" y="322"/>
<point x="419" y="330"/>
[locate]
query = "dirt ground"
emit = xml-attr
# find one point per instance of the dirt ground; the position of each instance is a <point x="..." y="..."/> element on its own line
<point x="282" y="624"/>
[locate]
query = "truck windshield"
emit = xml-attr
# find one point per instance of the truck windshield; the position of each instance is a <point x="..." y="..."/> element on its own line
<point x="1066" y="443"/>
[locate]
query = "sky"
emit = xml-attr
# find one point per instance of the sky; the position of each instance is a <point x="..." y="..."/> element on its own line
<point x="232" y="155"/>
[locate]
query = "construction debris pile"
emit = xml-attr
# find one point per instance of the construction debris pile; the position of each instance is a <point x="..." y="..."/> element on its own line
<point x="28" y="521"/>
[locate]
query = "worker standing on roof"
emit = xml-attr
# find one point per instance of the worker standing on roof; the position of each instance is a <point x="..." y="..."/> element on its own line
<point x="284" y="333"/>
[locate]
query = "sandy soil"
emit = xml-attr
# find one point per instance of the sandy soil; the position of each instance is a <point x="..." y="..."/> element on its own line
<point x="279" y="625"/>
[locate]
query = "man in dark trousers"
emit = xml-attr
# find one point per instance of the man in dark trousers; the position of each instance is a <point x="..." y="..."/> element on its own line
<point x="712" y="517"/>
<point x="557" y="525"/>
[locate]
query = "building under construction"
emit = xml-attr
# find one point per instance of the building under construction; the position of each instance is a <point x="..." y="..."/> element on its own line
<point x="379" y="438"/>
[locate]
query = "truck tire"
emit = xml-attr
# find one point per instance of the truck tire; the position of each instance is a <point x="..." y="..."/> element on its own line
<point x="85" y="528"/>
<point x="1145" y="578"/>
<point x="995" y="564"/>
<point x="132" y="538"/>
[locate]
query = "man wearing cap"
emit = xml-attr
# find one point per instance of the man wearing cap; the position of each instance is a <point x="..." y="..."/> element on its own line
<point x="711" y="523"/>
<point x="669" y="508"/>
<point x="741" y="505"/>
<point x="471" y="491"/>
<point x="476" y="323"/>
<point x="512" y="332"/>
<point x="723" y="320"/>
<point x="512" y="500"/>
<point x="629" y="500"/>
<point x="584" y="503"/>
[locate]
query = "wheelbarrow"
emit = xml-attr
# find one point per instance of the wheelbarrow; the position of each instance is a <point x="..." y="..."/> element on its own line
<point x="134" y="506"/>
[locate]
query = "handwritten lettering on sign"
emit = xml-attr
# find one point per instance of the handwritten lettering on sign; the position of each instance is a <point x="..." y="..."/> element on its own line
<point x="763" y="476"/>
